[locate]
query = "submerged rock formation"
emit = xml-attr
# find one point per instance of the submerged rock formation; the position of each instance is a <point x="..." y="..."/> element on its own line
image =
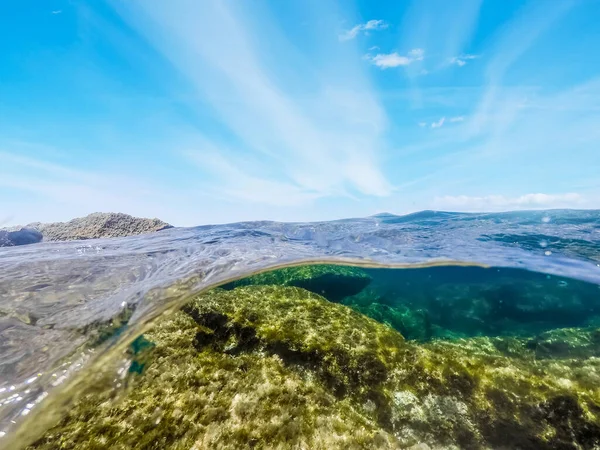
<point x="281" y="367"/>
<point x="93" y="226"/>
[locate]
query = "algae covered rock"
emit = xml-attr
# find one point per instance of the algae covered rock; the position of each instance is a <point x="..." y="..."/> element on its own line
<point x="411" y="323"/>
<point x="494" y="393"/>
<point x="221" y="375"/>
<point x="566" y="343"/>
<point x="331" y="281"/>
<point x="281" y="367"/>
<point x="347" y="350"/>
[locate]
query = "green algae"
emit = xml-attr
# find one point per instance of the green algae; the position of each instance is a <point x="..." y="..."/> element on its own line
<point x="281" y="367"/>
<point x="199" y="396"/>
<point x="413" y="323"/>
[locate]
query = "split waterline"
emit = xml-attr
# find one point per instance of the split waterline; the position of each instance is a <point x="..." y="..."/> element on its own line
<point x="492" y="321"/>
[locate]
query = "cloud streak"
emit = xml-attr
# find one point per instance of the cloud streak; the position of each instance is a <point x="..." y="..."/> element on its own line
<point x="371" y="25"/>
<point x="439" y="123"/>
<point x="462" y="59"/>
<point x="59" y="192"/>
<point x="235" y="182"/>
<point x="390" y="60"/>
<point x="501" y="202"/>
<point x="443" y="28"/>
<point x="513" y="41"/>
<point x="315" y="146"/>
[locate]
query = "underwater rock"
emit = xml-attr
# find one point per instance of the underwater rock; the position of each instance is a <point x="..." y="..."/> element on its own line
<point x="98" y="225"/>
<point x="331" y="281"/>
<point x="566" y="343"/>
<point x="411" y="323"/>
<point x="504" y="397"/>
<point x="220" y="375"/>
<point x="20" y="236"/>
<point x="281" y="367"/>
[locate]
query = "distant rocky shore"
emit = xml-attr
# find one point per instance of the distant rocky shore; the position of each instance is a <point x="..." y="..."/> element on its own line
<point x="96" y="225"/>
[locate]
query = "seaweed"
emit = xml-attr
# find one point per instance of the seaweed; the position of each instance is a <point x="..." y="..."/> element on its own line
<point x="282" y="367"/>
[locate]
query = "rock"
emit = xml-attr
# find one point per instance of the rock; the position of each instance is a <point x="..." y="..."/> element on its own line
<point x="222" y="374"/>
<point x="93" y="226"/>
<point x="566" y="343"/>
<point x="412" y="324"/>
<point x="100" y="225"/>
<point x="21" y="236"/>
<point x="331" y="281"/>
<point x="281" y="367"/>
<point x="419" y="447"/>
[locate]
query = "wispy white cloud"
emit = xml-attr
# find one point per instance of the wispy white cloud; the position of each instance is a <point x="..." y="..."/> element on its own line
<point x="34" y="189"/>
<point x="385" y="61"/>
<point x="371" y="25"/>
<point x="259" y="135"/>
<point x="329" y="144"/>
<point x="35" y="165"/>
<point x="442" y="121"/>
<point x="58" y="11"/>
<point x="236" y="183"/>
<point x="517" y="36"/>
<point x="443" y="28"/>
<point x="416" y="54"/>
<point x="59" y="192"/>
<point x="501" y="202"/>
<point x="513" y="40"/>
<point x="544" y="143"/>
<point x="439" y="123"/>
<point x="389" y="60"/>
<point x="462" y="59"/>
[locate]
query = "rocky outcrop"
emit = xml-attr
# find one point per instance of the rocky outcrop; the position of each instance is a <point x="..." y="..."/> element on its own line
<point x="20" y="236"/>
<point x="93" y="226"/>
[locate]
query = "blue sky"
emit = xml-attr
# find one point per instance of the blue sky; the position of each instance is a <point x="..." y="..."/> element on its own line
<point x="218" y="111"/>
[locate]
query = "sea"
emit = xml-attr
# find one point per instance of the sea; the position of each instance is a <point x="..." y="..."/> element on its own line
<point x="484" y="329"/>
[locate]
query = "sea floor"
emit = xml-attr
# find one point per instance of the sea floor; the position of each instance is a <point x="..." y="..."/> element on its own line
<point x="335" y="357"/>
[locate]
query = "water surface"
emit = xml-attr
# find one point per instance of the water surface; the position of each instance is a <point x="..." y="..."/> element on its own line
<point x="56" y="296"/>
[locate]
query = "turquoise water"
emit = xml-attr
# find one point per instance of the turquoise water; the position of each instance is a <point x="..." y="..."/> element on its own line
<point x="452" y="302"/>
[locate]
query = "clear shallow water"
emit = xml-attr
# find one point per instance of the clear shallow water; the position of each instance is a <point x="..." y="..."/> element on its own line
<point x="463" y="302"/>
<point x="54" y="296"/>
